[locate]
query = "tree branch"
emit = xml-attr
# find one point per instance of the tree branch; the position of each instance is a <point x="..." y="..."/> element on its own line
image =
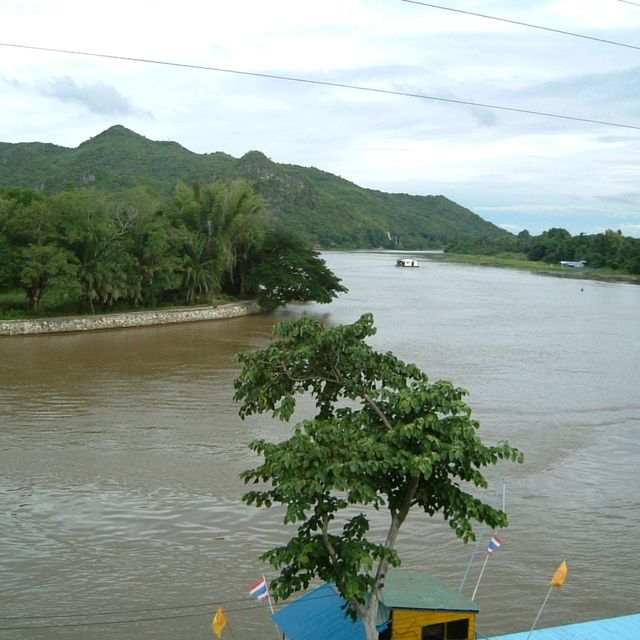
<point x="359" y="609"/>
<point x="398" y="516"/>
<point x="285" y="370"/>
<point x="374" y="405"/>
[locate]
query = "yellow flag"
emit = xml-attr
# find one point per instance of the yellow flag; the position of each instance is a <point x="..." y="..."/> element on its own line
<point x="560" y="575"/>
<point x="219" y="622"/>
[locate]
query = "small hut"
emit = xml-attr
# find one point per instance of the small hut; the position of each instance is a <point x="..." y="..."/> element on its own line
<point x="414" y="606"/>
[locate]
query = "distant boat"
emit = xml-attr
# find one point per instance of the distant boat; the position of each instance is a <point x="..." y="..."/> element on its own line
<point x="406" y="262"/>
<point x="579" y="264"/>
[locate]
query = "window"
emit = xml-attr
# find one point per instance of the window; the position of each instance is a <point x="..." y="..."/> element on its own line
<point x="434" y="632"/>
<point x="454" y="630"/>
<point x="458" y="629"/>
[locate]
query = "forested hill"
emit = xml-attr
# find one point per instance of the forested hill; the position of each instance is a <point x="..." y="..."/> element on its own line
<point x="321" y="207"/>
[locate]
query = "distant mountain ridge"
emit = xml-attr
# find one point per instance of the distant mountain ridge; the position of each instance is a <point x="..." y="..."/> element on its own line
<point x="325" y="209"/>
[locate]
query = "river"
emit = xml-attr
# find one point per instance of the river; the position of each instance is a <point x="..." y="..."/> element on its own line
<point x="120" y="454"/>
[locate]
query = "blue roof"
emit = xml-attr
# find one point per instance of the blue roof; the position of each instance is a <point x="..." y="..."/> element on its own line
<point x="318" y="614"/>
<point x="622" y="628"/>
<point x="321" y="614"/>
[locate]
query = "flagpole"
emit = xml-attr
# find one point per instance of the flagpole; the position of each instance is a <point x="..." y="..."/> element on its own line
<point x="272" y="611"/>
<point x="479" y="538"/>
<point x="269" y="596"/>
<point x="230" y="629"/>
<point x="556" y="583"/>
<point x="470" y="563"/>
<point x="535" y="622"/>
<point x="484" y="566"/>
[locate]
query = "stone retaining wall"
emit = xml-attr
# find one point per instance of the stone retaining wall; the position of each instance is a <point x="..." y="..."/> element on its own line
<point x="124" y="320"/>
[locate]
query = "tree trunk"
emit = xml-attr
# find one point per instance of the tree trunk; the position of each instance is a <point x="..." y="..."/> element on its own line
<point x="369" y="622"/>
<point x="397" y="518"/>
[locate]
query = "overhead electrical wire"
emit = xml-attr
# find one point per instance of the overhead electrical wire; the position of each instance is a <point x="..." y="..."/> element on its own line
<point x="105" y="622"/>
<point x="120" y="613"/>
<point x="629" y="2"/>
<point x="125" y="611"/>
<point x="324" y="83"/>
<point x="524" y="24"/>
<point x="213" y="605"/>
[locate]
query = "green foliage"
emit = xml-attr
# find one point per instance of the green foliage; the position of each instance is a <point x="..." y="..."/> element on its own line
<point x="88" y="250"/>
<point x="552" y="246"/>
<point x="383" y="437"/>
<point x="218" y="224"/>
<point x="48" y="274"/>
<point x="323" y="209"/>
<point x="283" y="268"/>
<point x="609" y="250"/>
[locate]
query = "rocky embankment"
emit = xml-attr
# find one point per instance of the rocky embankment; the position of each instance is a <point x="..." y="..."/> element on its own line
<point x="41" y="326"/>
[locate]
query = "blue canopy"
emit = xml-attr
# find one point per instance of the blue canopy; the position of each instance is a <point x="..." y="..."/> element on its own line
<point x="319" y="614"/>
<point x="622" y="628"/>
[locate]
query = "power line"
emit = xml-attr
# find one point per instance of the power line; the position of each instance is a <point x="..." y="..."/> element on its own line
<point x="124" y="611"/>
<point x="127" y="621"/>
<point x="629" y="2"/>
<point x="106" y="622"/>
<point x="324" y="83"/>
<point x="526" y="24"/>
<point x="136" y="620"/>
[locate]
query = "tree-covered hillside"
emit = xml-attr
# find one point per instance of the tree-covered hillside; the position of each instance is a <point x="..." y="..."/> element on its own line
<point x="320" y="207"/>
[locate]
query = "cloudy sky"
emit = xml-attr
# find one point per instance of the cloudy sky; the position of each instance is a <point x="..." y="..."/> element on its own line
<point x="518" y="170"/>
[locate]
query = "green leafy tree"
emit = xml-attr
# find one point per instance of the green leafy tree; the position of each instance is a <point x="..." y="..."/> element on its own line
<point x="9" y="255"/>
<point x="49" y="270"/>
<point x="284" y="268"/>
<point x="383" y="437"/>
<point x="196" y="267"/>
<point x="220" y="223"/>
<point x="607" y="250"/>
<point x="145" y="234"/>
<point x="88" y="228"/>
<point x="238" y="221"/>
<point x="553" y="245"/>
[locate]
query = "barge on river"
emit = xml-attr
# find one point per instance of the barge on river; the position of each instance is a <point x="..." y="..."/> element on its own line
<point x="406" y="262"/>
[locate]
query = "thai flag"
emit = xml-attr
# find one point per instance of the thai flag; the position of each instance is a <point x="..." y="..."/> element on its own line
<point x="259" y="590"/>
<point x="494" y="544"/>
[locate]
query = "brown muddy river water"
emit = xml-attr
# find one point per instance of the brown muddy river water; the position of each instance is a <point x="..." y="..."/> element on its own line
<point x="120" y="511"/>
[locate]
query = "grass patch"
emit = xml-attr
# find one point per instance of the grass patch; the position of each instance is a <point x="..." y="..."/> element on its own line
<point x="519" y="261"/>
<point x="13" y="305"/>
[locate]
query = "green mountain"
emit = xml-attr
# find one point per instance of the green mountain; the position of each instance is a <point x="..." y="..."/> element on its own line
<point x="325" y="209"/>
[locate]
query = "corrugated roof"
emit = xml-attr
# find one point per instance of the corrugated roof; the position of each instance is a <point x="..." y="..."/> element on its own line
<point x="418" y="590"/>
<point x="318" y="615"/>
<point x="622" y="628"/>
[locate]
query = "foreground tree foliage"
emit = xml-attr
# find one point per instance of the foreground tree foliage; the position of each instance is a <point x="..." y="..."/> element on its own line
<point x="86" y="251"/>
<point x="383" y="437"/>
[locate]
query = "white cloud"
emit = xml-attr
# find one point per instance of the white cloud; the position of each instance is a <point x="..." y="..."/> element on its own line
<point x="514" y="169"/>
<point x="97" y="97"/>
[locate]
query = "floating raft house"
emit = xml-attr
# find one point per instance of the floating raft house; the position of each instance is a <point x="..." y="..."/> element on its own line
<point x="414" y="605"/>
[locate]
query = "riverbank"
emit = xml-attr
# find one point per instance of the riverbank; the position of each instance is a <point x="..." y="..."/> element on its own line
<point x="41" y="326"/>
<point x="543" y="268"/>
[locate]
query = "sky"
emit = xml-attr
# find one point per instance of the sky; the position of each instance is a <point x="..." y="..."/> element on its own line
<point x="517" y="170"/>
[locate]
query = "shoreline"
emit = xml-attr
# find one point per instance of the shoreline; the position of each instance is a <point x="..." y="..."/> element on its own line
<point x="126" y="319"/>
<point x="539" y="268"/>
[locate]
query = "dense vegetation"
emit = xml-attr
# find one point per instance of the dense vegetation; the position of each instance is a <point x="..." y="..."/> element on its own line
<point x="609" y="250"/>
<point x="85" y="250"/>
<point x="321" y="208"/>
